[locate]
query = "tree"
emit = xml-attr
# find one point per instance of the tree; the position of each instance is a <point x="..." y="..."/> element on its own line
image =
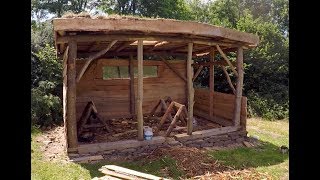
<point x="175" y="9"/>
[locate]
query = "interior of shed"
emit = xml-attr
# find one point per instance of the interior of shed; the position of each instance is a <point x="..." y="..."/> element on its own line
<point x="118" y="81"/>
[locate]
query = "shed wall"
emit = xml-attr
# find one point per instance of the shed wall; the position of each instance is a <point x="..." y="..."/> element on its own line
<point x="223" y="105"/>
<point x="112" y="97"/>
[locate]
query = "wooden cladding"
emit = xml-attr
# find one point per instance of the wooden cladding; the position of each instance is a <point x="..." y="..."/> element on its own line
<point x="112" y="97"/>
<point x="223" y="105"/>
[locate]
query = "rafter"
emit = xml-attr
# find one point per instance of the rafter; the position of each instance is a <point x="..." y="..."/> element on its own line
<point x="93" y="45"/>
<point x="157" y="45"/>
<point x="123" y="45"/>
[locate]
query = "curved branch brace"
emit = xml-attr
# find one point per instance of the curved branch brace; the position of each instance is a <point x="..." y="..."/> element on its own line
<point x="229" y="80"/>
<point x="227" y="60"/>
<point x="93" y="57"/>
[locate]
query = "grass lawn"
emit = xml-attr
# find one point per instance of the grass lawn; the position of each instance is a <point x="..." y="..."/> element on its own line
<point x="266" y="158"/>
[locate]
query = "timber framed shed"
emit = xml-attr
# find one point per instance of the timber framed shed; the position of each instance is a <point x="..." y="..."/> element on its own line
<point x="121" y="74"/>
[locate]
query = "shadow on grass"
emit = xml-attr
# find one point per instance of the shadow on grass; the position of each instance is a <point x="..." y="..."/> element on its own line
<point x="164" y="167"/>
<point x="266" y="154"/>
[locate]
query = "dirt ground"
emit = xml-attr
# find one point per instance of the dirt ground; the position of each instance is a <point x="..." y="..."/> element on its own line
<point x="192" y="161"/>
<point x="125" y="128"/>
<point x="52" y="144"/>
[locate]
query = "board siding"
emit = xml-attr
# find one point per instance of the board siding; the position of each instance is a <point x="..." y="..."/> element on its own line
<point x="112" y="97"/>
<point x="223" y="104"/>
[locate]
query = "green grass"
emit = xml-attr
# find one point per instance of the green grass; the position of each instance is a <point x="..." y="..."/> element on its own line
<point x="146" y="166"/>
<point x="45" y="170"/>
<point x="266" y="158"/>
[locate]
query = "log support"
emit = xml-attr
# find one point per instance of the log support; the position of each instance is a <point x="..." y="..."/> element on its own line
<point x="237" y="103"/>
<point x="71" y="121"/>
<point x="190" y="89"/>
<point x="211" y="82"/>
<point x="140" y="90"/>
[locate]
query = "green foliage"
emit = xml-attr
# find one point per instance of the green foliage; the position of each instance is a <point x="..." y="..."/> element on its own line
<point x="266" y="80"/>
<point x="173" y="9"/>
<point x="45" y="107"/>
<point x="41" y="34"/>
<point x="46" y="81"/>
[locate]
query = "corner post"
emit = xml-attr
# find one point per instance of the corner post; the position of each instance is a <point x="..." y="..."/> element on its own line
<point x="140" y="90"/>
<point x="190" y="89"/>
<point x="237" y="103"/>
<point x="71" y="120"/>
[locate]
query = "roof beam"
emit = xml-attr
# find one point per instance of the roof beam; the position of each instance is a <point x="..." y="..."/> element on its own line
<point x="93" y="45"/>
<point x="219" y="63"/>
<point x="124" y="45"/>
<point x="181" y="47"/>
<point x="105" y="37"/>
<point x="155" y="26"/>
<point x="93" y="57"/>
<point x="227" y="60"/>
<point x="157" y="45"/>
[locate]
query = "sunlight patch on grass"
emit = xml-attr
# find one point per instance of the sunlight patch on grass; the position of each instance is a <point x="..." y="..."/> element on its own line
<point x="164" y="167"/>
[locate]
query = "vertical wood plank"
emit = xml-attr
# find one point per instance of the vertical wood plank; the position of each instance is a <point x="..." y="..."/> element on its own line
<point x="71" y="96"/>
<point x="64" y="95"/>
<point x="237" y="103"/>
<point x="140" y="90"/>
<point x="211" y="82"/>
<point x="132" y="94"/>
<point x="190" y="89"/>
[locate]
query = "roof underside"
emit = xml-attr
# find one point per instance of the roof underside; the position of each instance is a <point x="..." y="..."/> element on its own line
<point x="159" y="35"/>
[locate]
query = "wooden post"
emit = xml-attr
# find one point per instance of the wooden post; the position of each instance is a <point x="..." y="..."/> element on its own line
<point x="132" y="94"/>
<point x="237" y="103"/>
<point x="140" y="91"/>
<point x="190" y="89"/>
<point x="211" y="82"/>
<point x="65" y="84"/>
<point x="71" y="96"/>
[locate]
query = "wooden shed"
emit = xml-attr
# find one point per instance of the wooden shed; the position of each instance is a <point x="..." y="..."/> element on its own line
<point x="131" y="72"/>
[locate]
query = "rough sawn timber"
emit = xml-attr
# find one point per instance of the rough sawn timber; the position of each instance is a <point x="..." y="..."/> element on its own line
<point x="164" y="26"/>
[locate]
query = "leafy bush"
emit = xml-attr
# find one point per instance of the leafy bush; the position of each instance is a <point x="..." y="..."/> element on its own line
<point x="45" y="107"/>
<point x="266" y="108"/>
<point x="46" y="83"/>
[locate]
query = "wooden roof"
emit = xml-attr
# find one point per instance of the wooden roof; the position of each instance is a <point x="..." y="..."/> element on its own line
<point x="159" y="35"/>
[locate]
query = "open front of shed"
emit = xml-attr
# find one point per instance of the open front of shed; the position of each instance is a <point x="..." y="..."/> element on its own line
<point x="121" y="74"/>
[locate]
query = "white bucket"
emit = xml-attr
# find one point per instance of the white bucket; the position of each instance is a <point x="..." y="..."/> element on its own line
<point x="148" y="134"/>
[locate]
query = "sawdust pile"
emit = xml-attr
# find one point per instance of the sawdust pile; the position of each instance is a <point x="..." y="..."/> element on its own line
<point x="191" y="160"/>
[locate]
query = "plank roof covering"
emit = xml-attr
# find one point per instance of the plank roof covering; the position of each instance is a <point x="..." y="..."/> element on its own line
<point x="160" y="34"/>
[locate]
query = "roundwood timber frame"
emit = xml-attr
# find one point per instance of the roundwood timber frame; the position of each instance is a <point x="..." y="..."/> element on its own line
<point x="94" y="39"/>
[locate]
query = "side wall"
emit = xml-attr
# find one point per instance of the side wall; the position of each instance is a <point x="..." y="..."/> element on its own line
<point x="112" y="97"/>
<point x="223" y="105"/>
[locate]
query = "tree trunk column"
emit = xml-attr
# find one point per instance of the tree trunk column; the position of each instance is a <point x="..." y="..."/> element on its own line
<point x="140" y="91"/>
<point x="211" y="82"/>
<point x="237" y="103"/>
<point x="71" y="96"/>
<point x="190" y="89"/>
